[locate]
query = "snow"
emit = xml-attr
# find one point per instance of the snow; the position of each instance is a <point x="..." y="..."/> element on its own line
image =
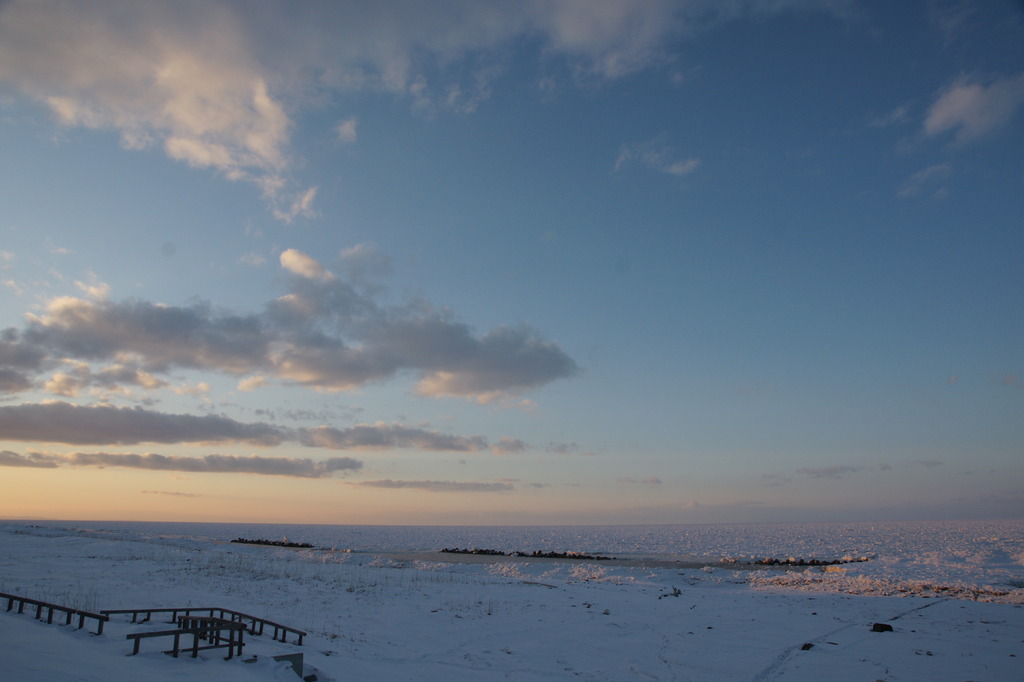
<point x="393" y="608"/>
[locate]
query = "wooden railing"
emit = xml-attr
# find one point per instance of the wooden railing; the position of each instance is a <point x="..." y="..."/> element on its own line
<point x="202" y="629"/>
<point x="49" y="608"/>
<point x="256" y="625"/>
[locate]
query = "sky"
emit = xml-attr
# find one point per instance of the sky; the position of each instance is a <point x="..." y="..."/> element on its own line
<point x="543" y="262"/>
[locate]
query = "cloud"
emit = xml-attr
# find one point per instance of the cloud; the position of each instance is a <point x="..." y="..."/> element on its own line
<point x="365" y="261"/>
<point x="197" y="390"/>
<point x="971" y="110"/>
<point x="160" y="336"/>
<point x="827" y="472"/>
<point x="922" y="179"/>
<point x="94" y="289"/>
<point x="897" y="116"/>
<point x="61" y="422"/>
<point x="251" y="258"/>
<point x="775" y="480"/>
<point x="503" y="360"/>
<point x="325" y="334"/>
<point x="19" y="360"/>
<point x="381" y="436"/>
<point x="170" y="493"/>
<point x="656" y="155"/>
<point x="440" y="486"/>
<point x="183" y="78"/>
<point x="216" y="464"/>
<point x="301" y="206"/>
<point x="682" y="167"/>
<point x="951" y="18"/>
<point x="508" y="446"/>
<point x="347" y="130"/>
<point x="32" y="460"/>
<point x="115" y="378"/>
<point x="373" y="343"/>
<point x="13" y="381"/>
<point x="299" y="263"/>
<point x="18" y="353"/>
<point x="216" y="84"/>
<point x="252" y="383"/>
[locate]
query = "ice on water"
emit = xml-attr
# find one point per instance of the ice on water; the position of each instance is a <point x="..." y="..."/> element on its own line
<point x="962" y="553"/>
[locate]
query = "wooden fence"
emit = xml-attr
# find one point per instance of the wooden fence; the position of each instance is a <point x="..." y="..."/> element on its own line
<point x="49" y="609"/>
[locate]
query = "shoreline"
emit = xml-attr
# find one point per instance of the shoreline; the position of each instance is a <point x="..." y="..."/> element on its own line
<point x="694" y="563"/>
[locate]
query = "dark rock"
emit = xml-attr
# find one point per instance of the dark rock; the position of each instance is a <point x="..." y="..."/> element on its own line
<point x="272" y="543"/>
<point x="806" y="646"/>
<point x="881" y="627"/>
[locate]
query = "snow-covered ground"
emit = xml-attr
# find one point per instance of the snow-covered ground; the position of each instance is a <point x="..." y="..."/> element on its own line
<point x="392" y="609"/>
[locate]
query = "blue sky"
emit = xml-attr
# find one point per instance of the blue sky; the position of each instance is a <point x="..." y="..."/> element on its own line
<point x="538" y="262"/>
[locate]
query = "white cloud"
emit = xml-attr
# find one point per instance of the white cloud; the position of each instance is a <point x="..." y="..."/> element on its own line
<point x="301" y="206"/>
<point x="897" y="116"/>
<point x="347" y="130"/>
<point x="972" y="110"/>
<point x="299" y="263"/>
<point x="251" y="258"/>
<point x="181" y="76"/>
<point x="657" y="155"/>
<point x="115" y="378"/>
<point x="215" y="84"/>
<point x="94" y="289"/>
<point x="682" y="167"/>
<point x="923" y="179"/>
<point x="65" y="384"/>
<point x="252" y="383"/>
<point x="199" y="390"/>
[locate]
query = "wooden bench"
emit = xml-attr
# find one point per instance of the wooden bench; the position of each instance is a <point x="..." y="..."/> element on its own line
<point x="68" y="612"/>
<point x="256" y="625"/>
<point x="203" y="629"/>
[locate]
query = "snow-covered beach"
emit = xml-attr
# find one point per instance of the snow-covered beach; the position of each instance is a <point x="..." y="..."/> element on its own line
<point x="679" y="603"/>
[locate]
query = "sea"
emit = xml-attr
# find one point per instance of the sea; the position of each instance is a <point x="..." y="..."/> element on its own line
<point x="969" y="552"/>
